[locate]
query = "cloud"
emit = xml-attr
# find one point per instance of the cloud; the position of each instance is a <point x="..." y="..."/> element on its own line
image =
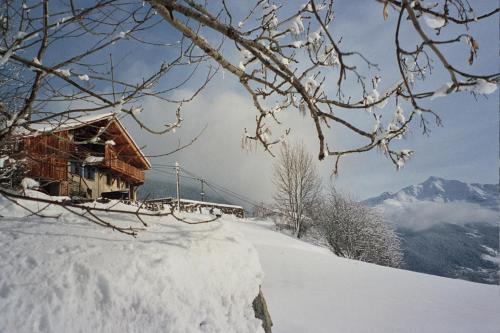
<point x="227" y="109"/>
<point x="425" y="214"/>
<point x="217" y="155"/>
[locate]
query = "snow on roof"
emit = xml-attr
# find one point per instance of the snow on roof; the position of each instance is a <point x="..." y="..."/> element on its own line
<point x="133" y="142"/>
<point x="93" y="159"/>
<point x="66" y="123"/>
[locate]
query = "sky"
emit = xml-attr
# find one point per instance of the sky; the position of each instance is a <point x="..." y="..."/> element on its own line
<point x="465" y="148"/>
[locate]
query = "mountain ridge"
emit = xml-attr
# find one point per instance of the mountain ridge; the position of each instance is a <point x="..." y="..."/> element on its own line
<point x="438" y="189"/>
<point x="447" y="227"/>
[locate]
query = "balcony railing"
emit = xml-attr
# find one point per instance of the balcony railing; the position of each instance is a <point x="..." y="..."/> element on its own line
<point x="48" y="168"/>
<point x="111" y="161"/>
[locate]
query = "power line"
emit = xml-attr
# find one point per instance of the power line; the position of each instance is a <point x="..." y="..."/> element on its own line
<point x="224" y="189"/>
<point x="163" y="165"/>
<point x="219" y="194"/>
<point x="220" y="190"/>
<point x="172" y="173"/>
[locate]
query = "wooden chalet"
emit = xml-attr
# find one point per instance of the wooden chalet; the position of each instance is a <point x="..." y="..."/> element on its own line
<point x="87" y="157"/>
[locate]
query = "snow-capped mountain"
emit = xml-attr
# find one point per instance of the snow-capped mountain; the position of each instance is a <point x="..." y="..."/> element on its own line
<point x="437" y="189"/>
<point x="448" y="227"/>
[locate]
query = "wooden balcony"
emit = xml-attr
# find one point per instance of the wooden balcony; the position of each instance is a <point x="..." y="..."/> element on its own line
<point x="50" y="168"/>
<point x="126" y="170"/>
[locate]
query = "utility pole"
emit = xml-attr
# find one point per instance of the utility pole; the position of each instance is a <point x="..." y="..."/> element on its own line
<point x="202" y="192"/>
<point x="178" y="192"/>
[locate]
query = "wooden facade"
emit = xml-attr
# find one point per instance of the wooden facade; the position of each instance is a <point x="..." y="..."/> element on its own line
<point x="97" y="154"/>
<point x="113" y="162"/>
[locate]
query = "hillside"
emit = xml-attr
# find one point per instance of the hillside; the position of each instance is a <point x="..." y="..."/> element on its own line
<point x="309" y="289"/>
<point x="448" y="228"/>
<point x="66" y="274"/>
<point x="70" y="275"/>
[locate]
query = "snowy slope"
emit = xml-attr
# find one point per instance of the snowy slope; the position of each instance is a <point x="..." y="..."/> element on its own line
<point x="68" y="275"/>
<point x="308" y="289"/>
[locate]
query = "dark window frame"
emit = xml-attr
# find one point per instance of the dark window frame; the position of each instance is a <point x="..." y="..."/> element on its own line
<point x="89" y="172"/>
<point x="75" y="168"/>
<point x="109" y="179"/>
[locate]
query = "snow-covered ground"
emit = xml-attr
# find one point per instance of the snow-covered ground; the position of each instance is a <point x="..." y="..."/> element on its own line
<point x="308" y="289"/>
<point x="69" y="275"/>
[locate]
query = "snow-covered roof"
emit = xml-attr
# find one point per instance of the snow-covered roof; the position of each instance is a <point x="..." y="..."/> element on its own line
<point x="133" y="142"/>
<point x="65" y="123"/>
<point x="93" y="159"/>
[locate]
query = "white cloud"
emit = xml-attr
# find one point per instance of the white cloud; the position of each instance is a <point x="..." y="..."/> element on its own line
<point x="425" y="214"/>
<point x="227" y="109"/>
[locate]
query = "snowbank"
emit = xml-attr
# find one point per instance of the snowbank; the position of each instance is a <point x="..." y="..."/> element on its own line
<point x="308" y="289"/>
<point x="69" y="275"/>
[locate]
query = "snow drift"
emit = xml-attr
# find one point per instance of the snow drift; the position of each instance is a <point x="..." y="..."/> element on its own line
<point x="68" y="275"/>
<point x="308" y="289"/>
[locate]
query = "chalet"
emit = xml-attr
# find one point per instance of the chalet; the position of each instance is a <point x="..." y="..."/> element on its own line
<point x="87" y="157"/>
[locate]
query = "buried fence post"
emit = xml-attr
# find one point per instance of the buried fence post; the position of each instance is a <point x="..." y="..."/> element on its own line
<point x="261" y="312"/>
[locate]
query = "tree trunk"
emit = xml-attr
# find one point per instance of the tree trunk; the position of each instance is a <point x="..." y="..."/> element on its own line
<point x="297" y="230"/>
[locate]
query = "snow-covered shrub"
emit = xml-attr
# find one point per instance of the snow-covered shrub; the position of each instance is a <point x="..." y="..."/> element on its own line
<point x="29" y="184"/>
<point x="263" y="211"/>
<point x="13" y="167"/>
<point x="355" y="231"/>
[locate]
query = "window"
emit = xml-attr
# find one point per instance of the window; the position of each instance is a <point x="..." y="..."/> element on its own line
<point x="109" y="179"/>
<point x="74" y="168"/>
<point x="89" y="172"/>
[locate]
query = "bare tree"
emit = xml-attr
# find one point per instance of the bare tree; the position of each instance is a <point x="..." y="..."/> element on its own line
<point x="291" y="57"/>
<point x="297" y="185"/>
<point x="61" y="59"/>
<point x="59" y="62"/>
<point x="358" y="232"/>
<point x="263" y="211"/>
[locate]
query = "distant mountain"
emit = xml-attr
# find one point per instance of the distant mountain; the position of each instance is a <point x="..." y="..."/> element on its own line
<point x="442" y="190"/>
<point x="448" y="227"/>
